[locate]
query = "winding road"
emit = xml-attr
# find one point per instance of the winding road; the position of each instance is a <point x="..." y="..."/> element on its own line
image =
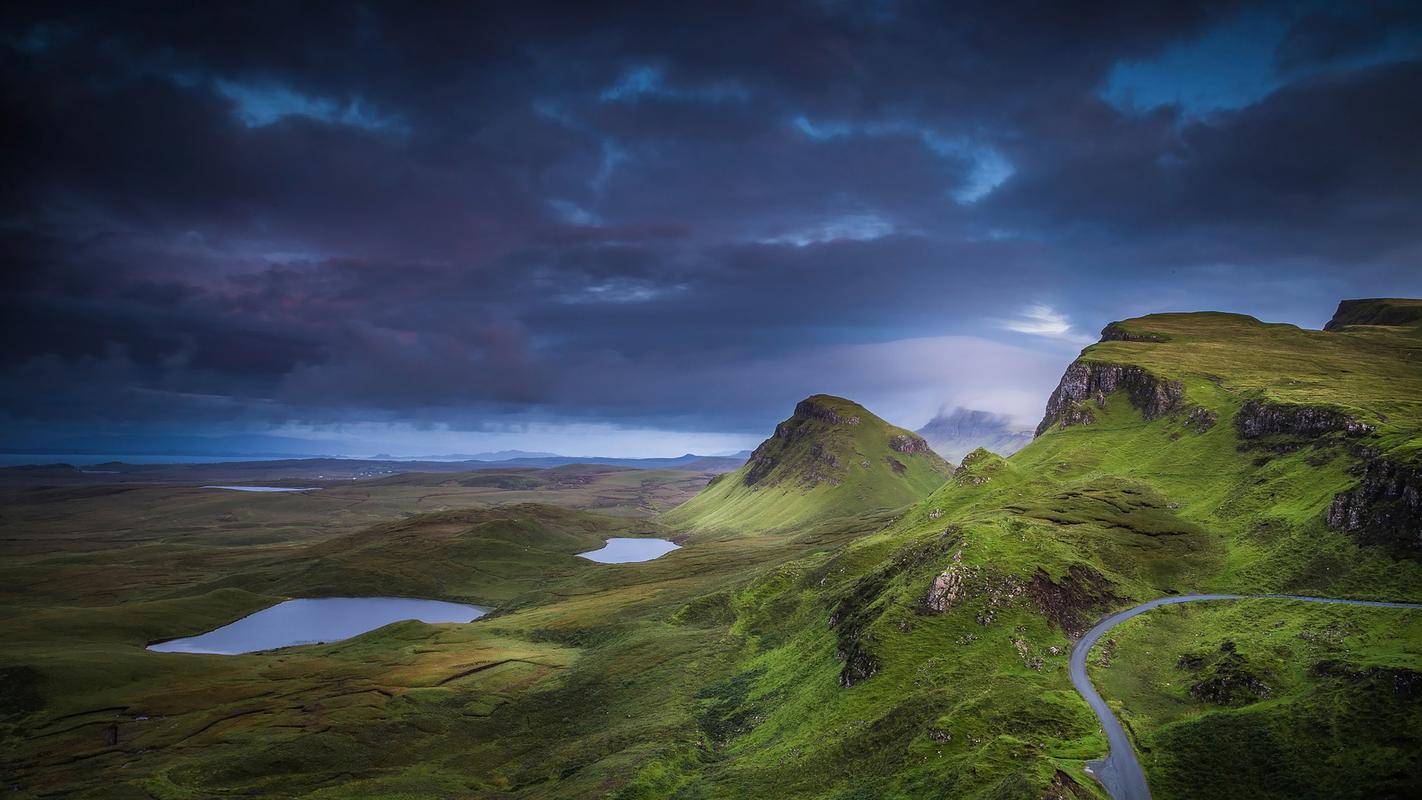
<point x="1120" y="771"/>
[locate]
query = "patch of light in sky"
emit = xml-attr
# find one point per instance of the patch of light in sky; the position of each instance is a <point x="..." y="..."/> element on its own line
<point x="401" y="439"/>
<point x="1231" y="66"/>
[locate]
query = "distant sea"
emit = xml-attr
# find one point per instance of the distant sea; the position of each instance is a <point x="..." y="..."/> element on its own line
<point x="87" y="459"/>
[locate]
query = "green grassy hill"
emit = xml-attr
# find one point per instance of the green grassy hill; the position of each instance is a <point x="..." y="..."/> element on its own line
<point x="831" y="458"/>
<point x="1185" y="452"/>
<point x="1271" y="699"/>
<point x="887" y="633"/>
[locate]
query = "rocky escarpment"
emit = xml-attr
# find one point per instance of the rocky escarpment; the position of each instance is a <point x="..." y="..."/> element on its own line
<point x="1385" y="508"/>
<point x="810" y="408"/>
<point x="1070" y="603"/>
<point x="1258" y="418"/>
<point x="1064" y="787"/>
<point x="832" y="457"/>
<point x="908" y="443"/>
<point x="978" y="467"/>
<point x="803" y="425"/>
<point x="1117" y="332"/>
<point x="1375" y="311"/>
<point x="947" y="587"/>
<point x="853" y="617"/>
<point x="1225" y="677"/>
<point x="798" y="428"/>
<point x="1405" y="683"/>
<point x="761" y="464"/>
<point x="1075" y="601"/>
<point x="1095" y="380"/>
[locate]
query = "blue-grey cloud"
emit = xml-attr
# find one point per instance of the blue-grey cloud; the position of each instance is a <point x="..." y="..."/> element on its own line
<point x="272" y="217"/>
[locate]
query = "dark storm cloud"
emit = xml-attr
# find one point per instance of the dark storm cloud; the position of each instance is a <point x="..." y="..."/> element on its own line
<point x="653" y="215"/>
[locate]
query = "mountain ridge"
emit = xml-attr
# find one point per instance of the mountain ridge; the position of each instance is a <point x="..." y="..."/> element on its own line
<point x="831" y="457"/>
<point x="955" y="434"/>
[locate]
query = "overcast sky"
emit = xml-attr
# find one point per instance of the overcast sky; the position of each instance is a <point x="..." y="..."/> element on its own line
<point x="645" y="229"/>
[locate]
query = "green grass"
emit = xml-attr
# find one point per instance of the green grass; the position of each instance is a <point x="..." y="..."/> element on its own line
<point x="719" y="670"/>
<point x="1341" y="717"/>
<point x="815" y="469"/>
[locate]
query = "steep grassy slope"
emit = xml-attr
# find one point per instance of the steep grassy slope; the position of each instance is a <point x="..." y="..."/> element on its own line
<point x="1271" y="699"/>
<point x="802" y="644"/>
<point x="831" y="458"/>
<point x="1185" y="452"/>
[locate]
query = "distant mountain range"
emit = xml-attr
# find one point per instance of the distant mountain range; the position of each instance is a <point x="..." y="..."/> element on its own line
<point x="957" y="433"/>
<point x="689" y="461"/>
<point x="326" y="468"/>
<point x="498" y="455"/>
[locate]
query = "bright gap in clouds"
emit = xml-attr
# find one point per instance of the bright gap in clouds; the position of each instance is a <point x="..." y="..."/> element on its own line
<point x="1043" y="320"/>
<point x="572" y="439"/>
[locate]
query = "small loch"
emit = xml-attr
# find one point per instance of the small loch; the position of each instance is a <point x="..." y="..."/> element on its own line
<point x="624" y="551"/>
<point x="267" y="488"/>
<point x="316" y="620"/>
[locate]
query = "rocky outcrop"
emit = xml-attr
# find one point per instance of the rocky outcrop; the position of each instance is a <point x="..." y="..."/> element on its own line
<point x="761" y="464"/>
<point x="988" y="591"/>
<point x="809" y="409"/>
<point x="1064" y="787"/>
<point x="908" y="443"/>
<point x="1385" y="508"/>
<point x="1072" y="603"/>
<point x="855" y="613"/>
<point x="1116" y="332"/>
<point x="978" y="468"/>
<point x="1375" y="311"/>
<point x="851" y="618"/>
<point x="946" y="587"/>
<point x="1405" y="683"/>
<point x="1226" y="677"/>
<point x="1200" y="419"/>
<point x="806" y="449"/>
<point x="859" y="665"/>
<point x="823" y="465"/>
<point x="1258" y="418"/>
<point x="1095" y="380"/>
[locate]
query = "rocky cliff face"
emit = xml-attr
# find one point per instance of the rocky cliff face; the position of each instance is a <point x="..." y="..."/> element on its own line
<point x="908" y="443"/>
<point x="1385" y="508"/>
<point x="804" y="440"/>
<point x="1074" y="602"/>
<point x="831" y="457"/>
<point x="1117" y="332"/>
<point x="1095" y="380"/>
<point x="802" y="426"/>
<point x="1225" y="677"/>
<point x="1258" y="418"/>
<point x="1375" y="311"/>
<point x="814" y="408"/>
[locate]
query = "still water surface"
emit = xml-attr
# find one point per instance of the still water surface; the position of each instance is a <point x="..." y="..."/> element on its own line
<point x="623" y="551"/>
<point x="317" y="620"/>
<point x="267" y="488"/>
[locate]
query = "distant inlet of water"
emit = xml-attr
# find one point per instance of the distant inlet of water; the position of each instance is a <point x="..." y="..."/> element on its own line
<point x="317" y="621"/>
<point x="267" y="488"/>
<point x="623" y="551"/>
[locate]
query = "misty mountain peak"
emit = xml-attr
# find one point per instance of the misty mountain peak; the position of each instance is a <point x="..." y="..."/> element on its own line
<point x="955" y="434"/>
